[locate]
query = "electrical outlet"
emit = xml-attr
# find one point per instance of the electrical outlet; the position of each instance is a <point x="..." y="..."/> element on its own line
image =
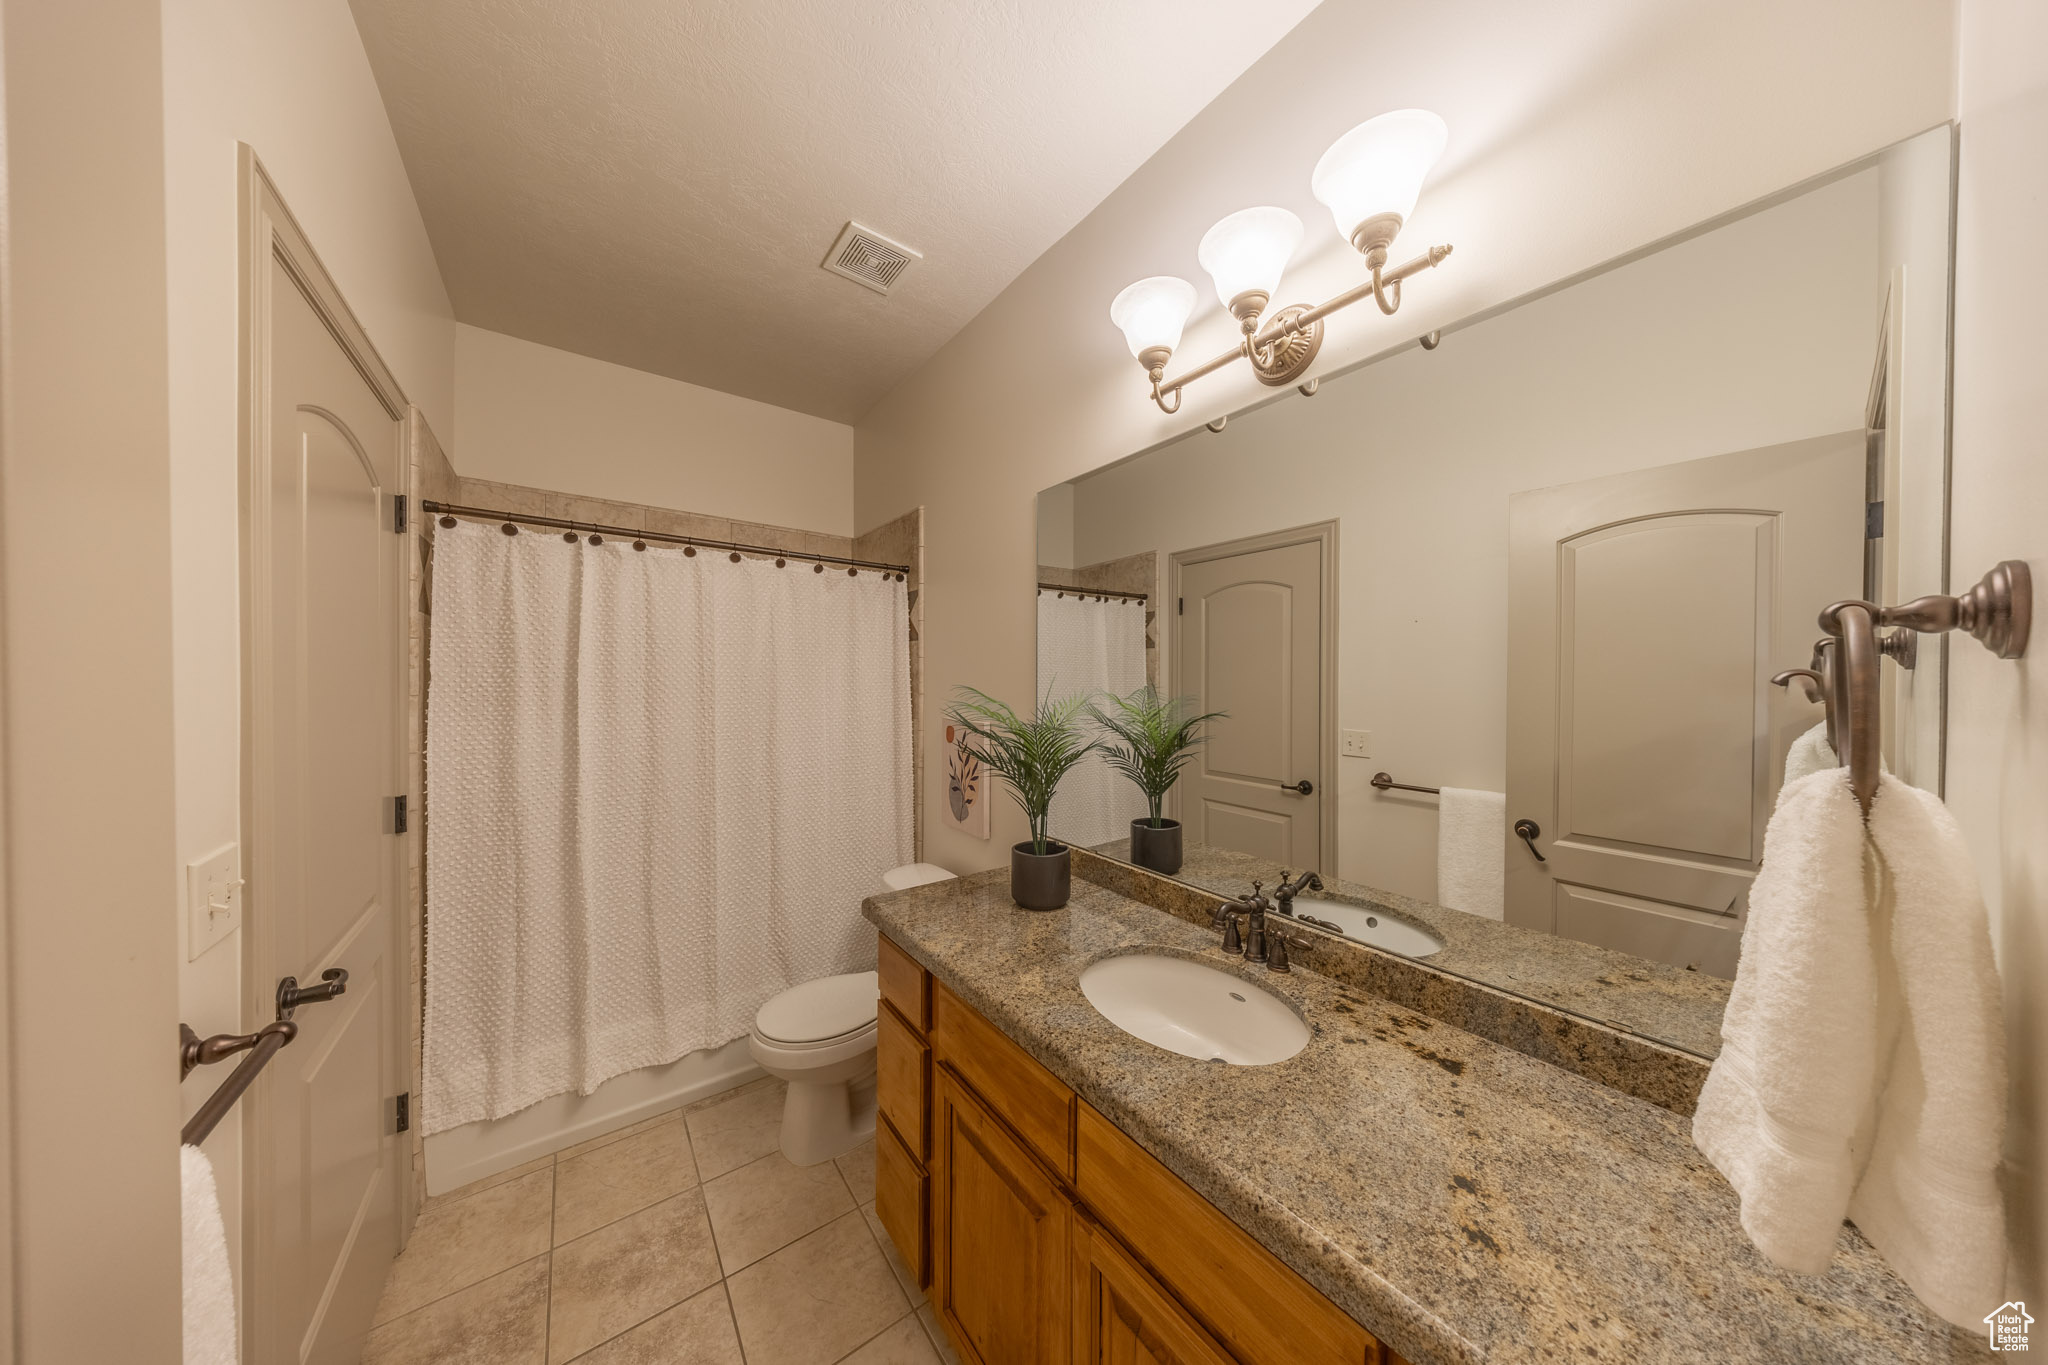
<point x="213" y="899"/>
<point x="1358" y="744"/>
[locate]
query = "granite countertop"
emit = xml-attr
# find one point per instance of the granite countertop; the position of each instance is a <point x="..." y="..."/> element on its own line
<point x="1462" y="1201"/>
<point x="1678" y="1008"/>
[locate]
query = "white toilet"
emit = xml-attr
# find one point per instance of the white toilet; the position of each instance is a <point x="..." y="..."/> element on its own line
<point x="820" y="1038"/>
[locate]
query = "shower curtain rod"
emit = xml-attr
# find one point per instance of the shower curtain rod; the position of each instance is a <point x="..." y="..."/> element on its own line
<point x="452" y="510"/>
<point x="1064" y="588"/>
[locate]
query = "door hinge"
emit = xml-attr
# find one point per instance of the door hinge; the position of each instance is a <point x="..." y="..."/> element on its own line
<point x="401" y="1112"/>
<point x="1873" y="521"/>
<point x="398" y="815"/>
<point x="1180" y="606"/>
<point x="398" y="514"/>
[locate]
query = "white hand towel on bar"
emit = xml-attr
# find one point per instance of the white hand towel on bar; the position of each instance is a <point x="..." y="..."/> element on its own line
<point x="1809" y="754"/>
<point x="1928" y="1199"/>
<point x="1470" y="828"/>
<point x="1862" y="1071"/>
<point x="209" y="1284"/>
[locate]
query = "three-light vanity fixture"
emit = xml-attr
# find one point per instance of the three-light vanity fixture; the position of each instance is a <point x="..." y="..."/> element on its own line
<point x="1370" y="179"/>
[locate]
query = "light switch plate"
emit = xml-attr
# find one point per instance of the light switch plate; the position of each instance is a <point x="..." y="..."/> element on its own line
<point x="1358" y="744"/>
<point x="213" y="899"/>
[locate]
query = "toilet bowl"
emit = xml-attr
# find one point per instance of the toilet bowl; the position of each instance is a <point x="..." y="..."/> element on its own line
<point x="819" y="1038"/>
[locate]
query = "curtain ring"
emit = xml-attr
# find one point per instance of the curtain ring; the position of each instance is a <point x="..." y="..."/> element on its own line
<point x="509" y="529"/>
<point x="852" y="572"/>
<point x="639" y="544"/>
<point x="447" y="523"/>
<point x="596" y="539"/>
<point x="780" y="562"/>
<point x="817" y="568"/>
<point x="735" y="556"/>
<point x="569" y="536"/>
<point x="690" y="550"/>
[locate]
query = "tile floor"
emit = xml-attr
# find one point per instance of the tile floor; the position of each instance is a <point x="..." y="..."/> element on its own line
<point x="686" y="1239"/>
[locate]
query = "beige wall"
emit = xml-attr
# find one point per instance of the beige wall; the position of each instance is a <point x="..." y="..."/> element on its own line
<point x="1668" y="115"/>
<point x="551" y="419"/>
<point x="292" y="81"/>
<point x="1757" y="333"/>
<point x="1998" y="712"/>
<point x="91" y="1259"/>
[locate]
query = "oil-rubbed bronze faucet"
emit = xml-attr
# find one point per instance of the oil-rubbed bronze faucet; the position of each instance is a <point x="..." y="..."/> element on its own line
<point x="1284" y="894"/>
<point x="1252" y="947"/>
<point x="1258" y="944"/>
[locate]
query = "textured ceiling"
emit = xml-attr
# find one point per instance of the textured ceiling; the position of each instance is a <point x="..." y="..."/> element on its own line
<point x="654" y="182"/>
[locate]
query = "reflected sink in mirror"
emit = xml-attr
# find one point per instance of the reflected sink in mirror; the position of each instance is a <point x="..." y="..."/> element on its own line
<point x="1194" y="1010"/>
<point x="1374" y="927"/>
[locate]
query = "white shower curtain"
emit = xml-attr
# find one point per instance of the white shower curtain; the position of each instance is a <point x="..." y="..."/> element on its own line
<point x="1086" y="645"/>
<point x="658" y="786"/>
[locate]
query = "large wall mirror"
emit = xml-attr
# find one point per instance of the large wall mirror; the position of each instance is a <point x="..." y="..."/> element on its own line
<point x="1538" y="575"/>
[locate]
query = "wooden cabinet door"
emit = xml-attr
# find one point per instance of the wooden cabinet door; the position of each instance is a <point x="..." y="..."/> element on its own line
<point x="1000" y="1237"/>
<point x="1121" y="1314"/>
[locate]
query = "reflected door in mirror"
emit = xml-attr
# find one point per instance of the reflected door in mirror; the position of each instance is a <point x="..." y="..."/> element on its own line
<point x="1250" y="643"/>
<point x="1649" y="612"/>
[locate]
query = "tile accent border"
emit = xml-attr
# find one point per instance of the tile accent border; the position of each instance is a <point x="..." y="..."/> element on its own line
<point x="1621" y="1061"/>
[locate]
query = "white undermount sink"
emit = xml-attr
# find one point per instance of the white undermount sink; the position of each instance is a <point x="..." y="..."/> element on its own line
<point x="1194" y="1010"/>
<point x="1374" y="927"/>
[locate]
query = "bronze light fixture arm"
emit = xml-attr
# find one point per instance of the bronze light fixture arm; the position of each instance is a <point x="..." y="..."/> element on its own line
<point x="1289" y="341"/>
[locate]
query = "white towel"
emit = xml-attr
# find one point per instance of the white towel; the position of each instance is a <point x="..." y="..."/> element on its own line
<point x="1847" y="1086"/>
<point x="209" y="1283"/>
<point x="1929" y="1199"/>
<point x="1809" y="754"/>
<point x="1798" y="1038"/>
<point x="1471" y="827"/>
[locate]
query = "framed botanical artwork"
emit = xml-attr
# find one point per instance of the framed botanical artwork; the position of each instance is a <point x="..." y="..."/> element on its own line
<point x="968" y="788"/>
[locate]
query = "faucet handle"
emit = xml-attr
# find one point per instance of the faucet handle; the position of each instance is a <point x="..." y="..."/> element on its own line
<point x="1277" y="946"/>
<point x="1233" y="944"/>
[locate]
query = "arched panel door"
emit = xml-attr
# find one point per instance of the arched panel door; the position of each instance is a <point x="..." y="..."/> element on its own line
<point x="320" y="718"/>
<point x="1648" y="613"/>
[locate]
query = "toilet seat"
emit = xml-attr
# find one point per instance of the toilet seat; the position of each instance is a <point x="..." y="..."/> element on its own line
<point x="818" y="1012"/>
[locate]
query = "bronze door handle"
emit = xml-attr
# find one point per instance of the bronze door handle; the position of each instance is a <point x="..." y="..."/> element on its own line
<point x="1303" y="787"/>
<point x="1530" y="832"/>
<point x="291" y="995"/>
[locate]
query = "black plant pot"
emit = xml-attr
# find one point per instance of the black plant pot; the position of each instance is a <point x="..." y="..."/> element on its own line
<point x="1157" y="849"/>
<point x="1040" y="881"/>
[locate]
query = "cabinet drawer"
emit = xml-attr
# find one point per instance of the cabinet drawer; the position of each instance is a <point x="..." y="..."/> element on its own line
<point x="1031" y="1099"/>
<point x="902" y="1078"/>
<point x="1264" y="1313"/>
<point x="905" y="985"/>
<point x="903" y="1194"/>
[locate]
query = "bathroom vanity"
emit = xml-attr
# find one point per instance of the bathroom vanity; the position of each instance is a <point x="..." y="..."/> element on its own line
<point x="1398" y="1190"/>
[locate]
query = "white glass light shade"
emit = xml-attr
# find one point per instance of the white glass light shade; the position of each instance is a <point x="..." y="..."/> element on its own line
<point x="1378" y="167"/>
<point x="1152" y="312"/>
<point x="1246" y="252"/>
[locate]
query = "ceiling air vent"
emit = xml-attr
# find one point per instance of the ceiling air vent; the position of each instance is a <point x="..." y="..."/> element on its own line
<point x="866" y="257"/>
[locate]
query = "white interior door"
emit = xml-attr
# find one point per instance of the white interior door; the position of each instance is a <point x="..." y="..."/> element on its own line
<point x="1648" y="612"/>
<point x="321" y="717"/>
<point x="1250" y="640"/>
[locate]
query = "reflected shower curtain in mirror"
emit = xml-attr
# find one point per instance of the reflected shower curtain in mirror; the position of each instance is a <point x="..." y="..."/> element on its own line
<point x="1091" y="646"/>
<point x="658" y="787"/>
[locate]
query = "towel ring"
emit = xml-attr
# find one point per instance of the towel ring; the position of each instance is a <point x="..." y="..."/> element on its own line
<point x="1997" y="612"/>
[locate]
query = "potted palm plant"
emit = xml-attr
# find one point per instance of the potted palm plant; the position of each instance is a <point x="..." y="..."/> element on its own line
<point x="1031" y="756"/>
<point x="1148" y="738"/>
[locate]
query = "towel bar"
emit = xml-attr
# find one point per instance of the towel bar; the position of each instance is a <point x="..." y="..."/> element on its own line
<point x="1386" y="782"/>
<point x="194" y="1051"/>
